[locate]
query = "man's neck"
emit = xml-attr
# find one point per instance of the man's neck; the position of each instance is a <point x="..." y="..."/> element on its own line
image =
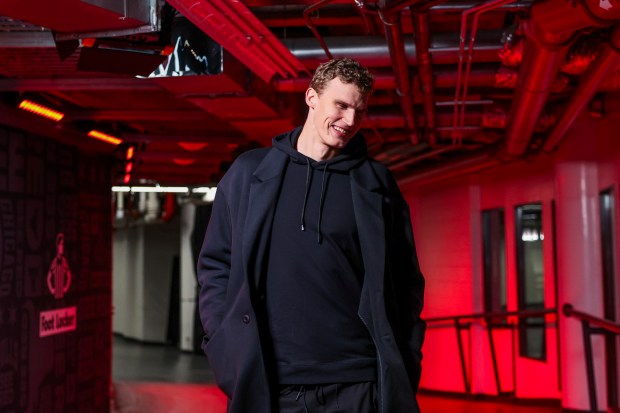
<point x="311" y="147"/>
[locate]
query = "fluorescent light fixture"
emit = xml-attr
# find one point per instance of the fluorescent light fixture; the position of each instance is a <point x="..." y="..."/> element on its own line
<point x="162" y="189"/>
<point x="208" y="191"/>
<point x="169" y="189"/>
<point x="203" y="189"/>
<point x="104" y="137"/>
<point x="41" y="110"/>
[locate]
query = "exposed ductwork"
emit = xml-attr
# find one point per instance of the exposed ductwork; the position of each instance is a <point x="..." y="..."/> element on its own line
<point x="606" y="61"/>
<point x="233" y="26"/>
<point x="550" y="29"/>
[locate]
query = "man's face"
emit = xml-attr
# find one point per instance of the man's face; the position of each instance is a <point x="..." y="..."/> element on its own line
<point x="336" y="113"/>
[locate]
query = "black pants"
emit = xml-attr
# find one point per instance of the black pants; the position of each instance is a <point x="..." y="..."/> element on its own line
<point x="328" y="398"/>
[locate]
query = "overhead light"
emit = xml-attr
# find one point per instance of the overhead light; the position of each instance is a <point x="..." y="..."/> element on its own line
<point x="104" y="137"/>
<point x="193" y="146"/>
<point x="41" y="110"/>
<point x="183" y="161"/>
<point x="158" y="189"/>
<point x="208" y="191"/>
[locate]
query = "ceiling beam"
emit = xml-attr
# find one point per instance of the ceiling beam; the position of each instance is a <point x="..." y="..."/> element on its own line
<point x="182" y="115"/>
<point x="78" y="84"/>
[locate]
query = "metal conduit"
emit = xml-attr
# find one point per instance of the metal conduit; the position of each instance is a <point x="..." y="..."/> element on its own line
<point x="607" y="60"/>
<point x="372" y="51"/>
<point x="396" y="45"/>
<point x="425" y="71"/>
<point x="550" y="29"/>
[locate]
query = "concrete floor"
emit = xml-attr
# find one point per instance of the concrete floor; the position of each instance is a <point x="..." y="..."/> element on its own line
<point x="151" y="378"/>
<point x="135" y="361"/>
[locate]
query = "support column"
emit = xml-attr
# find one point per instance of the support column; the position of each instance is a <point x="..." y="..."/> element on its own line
<point x="188" y="278"/>
<point x="579" y="278"/>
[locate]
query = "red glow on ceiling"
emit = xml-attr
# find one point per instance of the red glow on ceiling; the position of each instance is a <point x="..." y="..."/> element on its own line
<point x="104" y="137"/>
<point x="183" y="161"/>
<point x="193" y="146"/>
<point x="41" y="110"/>
<point x="88" y="42"/>
<point x="167" y="50"/>
<point x="232" y="145"/>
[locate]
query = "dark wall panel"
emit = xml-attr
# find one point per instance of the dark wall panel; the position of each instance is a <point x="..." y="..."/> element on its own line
<point x="55" y="277"/>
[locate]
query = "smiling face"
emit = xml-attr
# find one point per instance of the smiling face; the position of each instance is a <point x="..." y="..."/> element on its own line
<point x="334" y="116"/>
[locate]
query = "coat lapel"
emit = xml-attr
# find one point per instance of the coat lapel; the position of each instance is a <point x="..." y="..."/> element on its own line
<point x="261" y="205"/>
<point x="368" y="209"/>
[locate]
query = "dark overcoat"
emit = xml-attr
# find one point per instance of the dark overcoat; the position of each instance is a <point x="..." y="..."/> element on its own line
<point x="235" y="251"/>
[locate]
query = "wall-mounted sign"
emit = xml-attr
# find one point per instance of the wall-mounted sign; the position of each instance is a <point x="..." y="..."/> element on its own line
<point x="59" y="275"/>
<point x="57" y="321"/>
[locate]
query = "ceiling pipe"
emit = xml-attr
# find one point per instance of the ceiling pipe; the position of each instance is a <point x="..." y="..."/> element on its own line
<point x="308" y="19"/>
<point x="396" y="46"/>
<point x="373" y="51"/>
<point x="607" y="60"/>
<point x="447" y="171"/>
<point x="459" y="109"/>
<point x="384" y="80"/>
<point x="550" y="29"/>
<point x="414" y="159"/>
<point x="425" y="71"/>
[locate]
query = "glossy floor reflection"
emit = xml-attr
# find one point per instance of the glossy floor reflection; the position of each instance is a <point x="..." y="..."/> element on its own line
<point x="161" y="379"/>
<point x="135" y="361"/>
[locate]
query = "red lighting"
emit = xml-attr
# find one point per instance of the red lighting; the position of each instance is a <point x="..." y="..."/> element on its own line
<point x="88" y="42"/>
<point x="167" y="50"/>
<point x="129" y="167"/>
<point x="41" y="110"/>
<point x="126" y="178"/>
<point x="129" y="153"/>
<point x="193" y="146"/>
<point x="183" y="161"/>
<point x="104" y="137"/>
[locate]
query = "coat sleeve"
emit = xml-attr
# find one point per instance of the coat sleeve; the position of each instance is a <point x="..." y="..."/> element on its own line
<point x="214" y="263"/>
<point x="408" y="290"/>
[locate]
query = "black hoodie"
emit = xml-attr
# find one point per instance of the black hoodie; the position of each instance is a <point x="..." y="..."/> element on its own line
<point x="315" y="272"/>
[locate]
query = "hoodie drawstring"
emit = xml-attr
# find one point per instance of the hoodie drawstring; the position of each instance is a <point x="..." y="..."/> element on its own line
<point x="318" y="225"/>
<point x="303" y="208"/>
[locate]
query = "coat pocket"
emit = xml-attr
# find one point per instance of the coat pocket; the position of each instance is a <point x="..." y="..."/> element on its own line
<point x="220" y="360"/>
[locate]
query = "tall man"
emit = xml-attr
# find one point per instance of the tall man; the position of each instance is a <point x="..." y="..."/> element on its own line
<point x="311" y="291"/>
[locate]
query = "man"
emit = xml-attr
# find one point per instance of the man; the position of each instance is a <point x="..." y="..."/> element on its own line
<point x="310" y="287"/>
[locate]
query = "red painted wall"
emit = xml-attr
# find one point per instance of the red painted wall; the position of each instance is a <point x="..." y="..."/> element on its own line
<point x="447" y="228"/>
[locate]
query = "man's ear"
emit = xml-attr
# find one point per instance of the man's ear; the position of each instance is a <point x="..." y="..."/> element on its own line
<point x="311" y="97"/>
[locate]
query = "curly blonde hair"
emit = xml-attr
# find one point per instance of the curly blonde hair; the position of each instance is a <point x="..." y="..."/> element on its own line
<point x="347" y="70"/>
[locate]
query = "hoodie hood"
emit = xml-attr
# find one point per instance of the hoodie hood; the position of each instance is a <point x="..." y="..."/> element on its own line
<point x="350" y="156"/>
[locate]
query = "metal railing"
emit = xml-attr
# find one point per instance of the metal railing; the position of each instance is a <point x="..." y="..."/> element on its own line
<point x="461" y="322"/>
<point x="591" y="325"/>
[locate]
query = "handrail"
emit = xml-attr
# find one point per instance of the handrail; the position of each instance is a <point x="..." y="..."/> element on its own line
<point x="591" y="325"/>
<point x="498" y="314"/>
<point x="569" y="311"/>
<point x="464" y="321"/>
